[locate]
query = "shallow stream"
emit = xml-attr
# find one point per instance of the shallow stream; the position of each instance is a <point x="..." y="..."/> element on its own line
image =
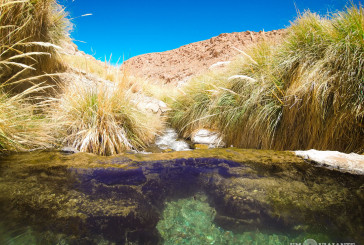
<point x="216" y="196"/>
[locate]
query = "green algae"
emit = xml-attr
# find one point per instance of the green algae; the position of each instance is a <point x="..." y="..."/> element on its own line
<point x="191" y="221"/>
<point x="126" y="160"/>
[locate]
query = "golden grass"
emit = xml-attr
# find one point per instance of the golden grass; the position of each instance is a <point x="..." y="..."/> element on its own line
<point x="102" y="119"/>
<point x="21" y="126"/>
<point x="28" y="31"/>
<point x="27" y="27"/>
<point x="104" y="70"/>
<point x="306" y="93"/>
<point x="89" y="64"/>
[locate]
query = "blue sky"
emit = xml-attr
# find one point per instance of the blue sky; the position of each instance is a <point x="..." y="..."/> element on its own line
<point x="126" y="28"/>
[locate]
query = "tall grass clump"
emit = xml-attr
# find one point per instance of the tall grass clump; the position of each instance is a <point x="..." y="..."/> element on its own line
<point x="102" y="119"/>
<point x="306" y="92"/>
<point x="323" y="60"/>
<point x="28" y="33"/>
<point x="242" y="101"/>
<point x="21" y="126"/>
<point x="31" y="27"/>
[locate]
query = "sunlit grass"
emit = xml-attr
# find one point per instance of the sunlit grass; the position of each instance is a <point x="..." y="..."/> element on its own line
<point x="102" y="119"/>
<point x="21" y="125"/>
<point x="114" y="73"/>
<point x="93" y="118"/>
<point x="29" y="31"/>
<point x="25" y="27"/>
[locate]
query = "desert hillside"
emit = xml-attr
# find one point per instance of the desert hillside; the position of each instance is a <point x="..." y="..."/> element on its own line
<point x="179" y="64"/>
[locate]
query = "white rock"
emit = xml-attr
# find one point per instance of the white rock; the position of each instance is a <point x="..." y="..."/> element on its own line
<point x="353" y="163"/>
<point x="219" y="64"/>
<point x="152" y="107"/>
<point x="205" y="136"/>
<point x="242" y="77"/>
<point x="163" y="106"/>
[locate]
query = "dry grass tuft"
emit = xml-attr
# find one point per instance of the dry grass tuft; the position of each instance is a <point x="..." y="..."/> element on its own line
<point x="28" y="31"/>
<point x="102" y="119"/>
<point x="21" y="126"/>
<point x="29" y="34"/>
<point x="93" y="118"/>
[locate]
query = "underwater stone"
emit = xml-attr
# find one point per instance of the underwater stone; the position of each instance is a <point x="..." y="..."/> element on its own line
<point x="113" y="176"/>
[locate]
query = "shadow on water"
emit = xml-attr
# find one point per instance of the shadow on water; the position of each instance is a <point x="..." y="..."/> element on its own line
<point x="240" y="195"/>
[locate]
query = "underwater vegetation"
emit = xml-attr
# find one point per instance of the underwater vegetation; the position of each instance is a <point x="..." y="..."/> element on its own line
<point x="191" y="221"/>
<point x="216" y="195"/>
<point x="307" y="92"/>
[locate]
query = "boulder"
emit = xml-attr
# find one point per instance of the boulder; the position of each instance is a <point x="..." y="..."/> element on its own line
<point x="211" y="138"/>
<point x="146" y="103"/>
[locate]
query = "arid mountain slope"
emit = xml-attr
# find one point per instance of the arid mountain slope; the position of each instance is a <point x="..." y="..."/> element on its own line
<point x="181" y="63"/>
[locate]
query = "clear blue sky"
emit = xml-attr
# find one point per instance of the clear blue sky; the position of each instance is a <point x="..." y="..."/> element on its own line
<point x="132" y="27"/>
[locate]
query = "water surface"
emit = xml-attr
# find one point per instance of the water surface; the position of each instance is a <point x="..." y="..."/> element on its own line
<point x="221" y="196"/>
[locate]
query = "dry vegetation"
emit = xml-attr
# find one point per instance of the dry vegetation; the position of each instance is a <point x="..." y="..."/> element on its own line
<point x="306" y="93"/>
<point x="29" y="31"/>
<point x="105" y="70"/>
<point x="95" y="118"/>
<point x="102" y="119"/>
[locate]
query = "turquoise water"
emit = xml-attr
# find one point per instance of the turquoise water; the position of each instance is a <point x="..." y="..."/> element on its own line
<point x="191" y="221"/>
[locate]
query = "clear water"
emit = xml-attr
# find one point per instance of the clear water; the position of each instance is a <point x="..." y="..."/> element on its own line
<point x="191" y="221"/>
<point x="221" y="196"/>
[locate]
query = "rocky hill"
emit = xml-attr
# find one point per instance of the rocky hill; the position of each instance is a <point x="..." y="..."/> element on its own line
<point x="180" y="64"/>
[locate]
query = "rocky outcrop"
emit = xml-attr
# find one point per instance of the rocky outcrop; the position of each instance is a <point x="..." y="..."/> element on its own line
<point x="178" y="65"/>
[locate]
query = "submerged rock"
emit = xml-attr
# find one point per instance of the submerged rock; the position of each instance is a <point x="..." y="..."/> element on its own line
<point x="69" y="150"/>
<point x="85" y="199"/>
<point x="352" y="163"/>
<point x="191" y="221"/>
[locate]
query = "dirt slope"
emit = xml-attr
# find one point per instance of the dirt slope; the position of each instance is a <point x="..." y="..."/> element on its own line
<point x="182" y="63"/>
